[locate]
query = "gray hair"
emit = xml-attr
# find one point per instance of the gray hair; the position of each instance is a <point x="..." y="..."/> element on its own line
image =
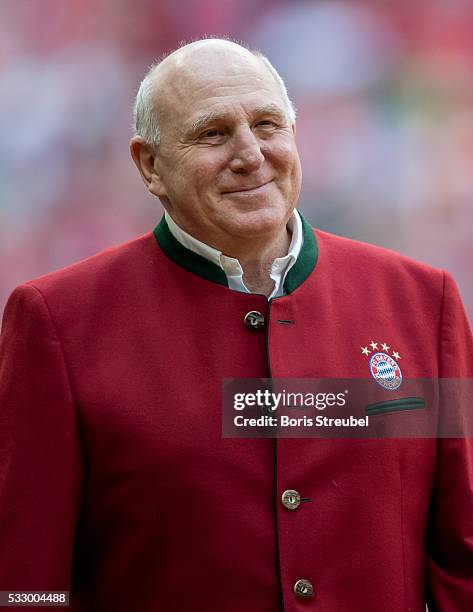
<point x="145" y="117"/>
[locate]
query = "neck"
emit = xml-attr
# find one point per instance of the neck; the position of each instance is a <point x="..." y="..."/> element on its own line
<point x="256" y="259"/>
<point x="255" y="254"/>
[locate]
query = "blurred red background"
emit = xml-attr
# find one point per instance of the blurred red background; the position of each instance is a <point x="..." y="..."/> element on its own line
<point x="384" y="92"/>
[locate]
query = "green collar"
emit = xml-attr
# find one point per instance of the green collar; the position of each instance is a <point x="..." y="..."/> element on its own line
<point x="204" y="268"/>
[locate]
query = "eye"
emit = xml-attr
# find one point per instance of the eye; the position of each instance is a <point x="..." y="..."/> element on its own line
<point x="211" y="134"/>
<point x="266" y="123"/>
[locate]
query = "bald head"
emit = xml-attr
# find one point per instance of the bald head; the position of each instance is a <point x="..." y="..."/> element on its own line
<point x="203" y="53"/>
<point x="167" y="84"/>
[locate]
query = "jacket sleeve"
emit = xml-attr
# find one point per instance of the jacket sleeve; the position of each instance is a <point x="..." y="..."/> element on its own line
<point x="449" y="537"/>
<point x="41" y="459"/>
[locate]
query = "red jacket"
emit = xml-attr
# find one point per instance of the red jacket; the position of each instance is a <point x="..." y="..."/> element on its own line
<point x="116" y="483"/>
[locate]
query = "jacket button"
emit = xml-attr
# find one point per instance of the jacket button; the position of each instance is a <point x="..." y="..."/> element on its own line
<point x="303" y="588"/>
<point x="291" y="499"/>
<point x="254" y="320"/>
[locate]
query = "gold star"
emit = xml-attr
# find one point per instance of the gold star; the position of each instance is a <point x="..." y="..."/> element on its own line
<point x="385" y="346"/>
<point x="365" y="351"/>
<point x="374" y="345"/>
<point x="396" y="355"/>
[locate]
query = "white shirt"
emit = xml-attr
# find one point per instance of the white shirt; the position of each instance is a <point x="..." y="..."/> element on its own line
<point x="232" y="267"/>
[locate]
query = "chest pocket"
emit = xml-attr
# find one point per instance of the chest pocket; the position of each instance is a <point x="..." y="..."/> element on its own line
<point x="395" y="405"/>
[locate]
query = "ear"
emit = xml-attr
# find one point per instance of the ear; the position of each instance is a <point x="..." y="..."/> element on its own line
<point x="294" y="128"/>
<point x="144" y="156"/>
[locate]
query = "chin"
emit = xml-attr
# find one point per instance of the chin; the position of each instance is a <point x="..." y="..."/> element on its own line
<point x="258" y="222"/>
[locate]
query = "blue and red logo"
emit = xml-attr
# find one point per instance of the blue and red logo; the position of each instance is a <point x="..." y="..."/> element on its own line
<point x="385" y="371"/>
<point x="384" y="368"/>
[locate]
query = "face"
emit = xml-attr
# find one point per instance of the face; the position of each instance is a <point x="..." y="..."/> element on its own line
<point x="227" y="167"/>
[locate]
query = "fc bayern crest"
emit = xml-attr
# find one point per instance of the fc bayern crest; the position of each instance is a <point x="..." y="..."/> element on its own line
<point x="385" y="371"/>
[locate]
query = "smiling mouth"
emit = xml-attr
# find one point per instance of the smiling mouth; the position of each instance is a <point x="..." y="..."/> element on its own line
<point x="249" y="190"/>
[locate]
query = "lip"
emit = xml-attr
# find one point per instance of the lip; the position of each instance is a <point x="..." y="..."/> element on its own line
<point x="249" y="190"/>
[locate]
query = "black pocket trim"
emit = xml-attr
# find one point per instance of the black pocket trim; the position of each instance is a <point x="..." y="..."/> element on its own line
<point x="403" y="403"/>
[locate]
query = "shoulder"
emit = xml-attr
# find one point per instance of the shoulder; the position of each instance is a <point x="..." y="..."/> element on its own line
<point x="371" y="263"/>
<point x="102" y="278"/>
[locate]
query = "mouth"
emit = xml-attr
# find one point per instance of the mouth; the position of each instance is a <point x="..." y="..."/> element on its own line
<point x="249" y="190"/>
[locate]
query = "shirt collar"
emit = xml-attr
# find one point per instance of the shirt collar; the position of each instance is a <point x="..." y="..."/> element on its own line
<point x="232" y="267"/>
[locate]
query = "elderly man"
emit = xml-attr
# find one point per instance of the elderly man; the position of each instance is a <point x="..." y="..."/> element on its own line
<point x="116" y="483"/>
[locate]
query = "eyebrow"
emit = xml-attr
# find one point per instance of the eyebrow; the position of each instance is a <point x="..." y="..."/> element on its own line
<point x="205" y="119"/>
<point x="271" y="109"/>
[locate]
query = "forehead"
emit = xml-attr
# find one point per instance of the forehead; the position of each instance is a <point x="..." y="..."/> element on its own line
<point x="229" y="85"/>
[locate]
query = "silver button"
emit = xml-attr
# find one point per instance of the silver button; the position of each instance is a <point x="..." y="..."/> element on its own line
<point x="254" y="320"/>
<point x="303" y="588"/>
<point x="291" y="499"/>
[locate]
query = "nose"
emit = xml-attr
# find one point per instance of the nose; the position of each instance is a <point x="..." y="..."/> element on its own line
<point x="247" y="154"/>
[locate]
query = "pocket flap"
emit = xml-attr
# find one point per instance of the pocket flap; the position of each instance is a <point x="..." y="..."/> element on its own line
<point x="395" y="405"/>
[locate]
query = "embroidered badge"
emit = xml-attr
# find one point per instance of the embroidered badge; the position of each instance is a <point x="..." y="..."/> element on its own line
<point x="383" y="367"/>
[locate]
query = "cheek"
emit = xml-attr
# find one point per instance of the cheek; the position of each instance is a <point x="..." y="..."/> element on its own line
<point x="297" y="169"/>
<point x="282" y="153"/>
<point x="285" y="160"/>
<point x="204" y="170"/>
<point x="296" y="182"/>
